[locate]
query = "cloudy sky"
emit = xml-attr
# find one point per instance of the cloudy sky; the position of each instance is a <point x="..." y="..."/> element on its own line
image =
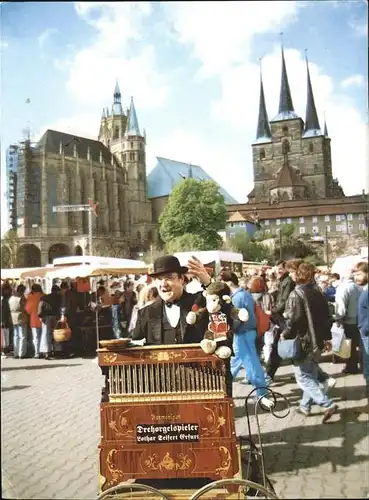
<point x="193" y="69"/>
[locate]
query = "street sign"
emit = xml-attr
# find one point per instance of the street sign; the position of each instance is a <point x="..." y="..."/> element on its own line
<point x="71" y="208"/>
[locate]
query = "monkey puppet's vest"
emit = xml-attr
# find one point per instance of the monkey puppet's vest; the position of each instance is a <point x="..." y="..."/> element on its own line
<point x="218" y="326"/>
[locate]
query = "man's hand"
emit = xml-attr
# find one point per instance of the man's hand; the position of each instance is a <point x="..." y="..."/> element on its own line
<point x="197" y="269"/>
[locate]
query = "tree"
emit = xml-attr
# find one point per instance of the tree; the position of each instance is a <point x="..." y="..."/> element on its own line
<point x="9" y="247"/>
<point x="194" y="208"/>
<point x="250" y="249"/>
<point x="186" y="242"/>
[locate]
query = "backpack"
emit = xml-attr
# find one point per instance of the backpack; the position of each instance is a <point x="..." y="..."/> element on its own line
<point x="262" y="320"/>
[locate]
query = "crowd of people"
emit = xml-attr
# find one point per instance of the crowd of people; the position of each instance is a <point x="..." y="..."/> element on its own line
<point x="300" y="301"/>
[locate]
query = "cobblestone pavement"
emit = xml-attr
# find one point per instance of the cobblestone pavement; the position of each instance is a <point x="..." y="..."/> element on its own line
<point x="50" y="433"/>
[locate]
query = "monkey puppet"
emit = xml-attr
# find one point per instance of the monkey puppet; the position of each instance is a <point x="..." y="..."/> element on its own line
<point x="223" y="317"/>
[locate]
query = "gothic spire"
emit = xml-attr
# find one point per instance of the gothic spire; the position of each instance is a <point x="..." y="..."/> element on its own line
<point x="132" y="126"/>
<point x="117" y="105"/>
<point x="312" y="126"/>
<point x="325" y="127"/>
<point x="103" y="115"/>
<point x="117" y="94"/>
<point x="286" y="110"/>
<point x="263" y="133"/>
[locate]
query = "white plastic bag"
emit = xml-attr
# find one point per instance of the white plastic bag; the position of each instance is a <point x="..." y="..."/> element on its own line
<point x="341" y="346"/>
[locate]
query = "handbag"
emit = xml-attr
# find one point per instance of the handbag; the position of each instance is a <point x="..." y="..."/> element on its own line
<point x="289" y="348"/>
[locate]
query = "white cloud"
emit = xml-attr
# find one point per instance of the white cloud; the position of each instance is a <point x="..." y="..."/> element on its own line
<point x="353" y="81"/>
<point x="94" y="69"/>
<point x="45" y="36"/>
<point x="205" y="30"/>
<point x="220" y="32"/>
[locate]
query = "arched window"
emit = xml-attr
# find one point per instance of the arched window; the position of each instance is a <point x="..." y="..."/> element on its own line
<point x="132" y="156"/>
<point x="138" y="237"/>
<point x="116" y="132"/>
<point x="285" y="129"/>
<point x="316" y="167"/>
<point x="149" y="236"/>
<point x="311" y="148"/>
<point x="262" y="154"/>
<point x="285" y="147"/>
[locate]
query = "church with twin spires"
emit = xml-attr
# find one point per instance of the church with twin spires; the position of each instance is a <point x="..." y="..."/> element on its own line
<point x="293" y="177"/>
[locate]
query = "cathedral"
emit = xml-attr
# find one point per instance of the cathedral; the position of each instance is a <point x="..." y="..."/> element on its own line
<point x="62" y="169"/>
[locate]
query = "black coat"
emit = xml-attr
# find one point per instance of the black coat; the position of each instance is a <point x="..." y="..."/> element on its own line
<point x="286" y="286"/>
<point x="296" y="319"/>
<point x="149" y="321"/>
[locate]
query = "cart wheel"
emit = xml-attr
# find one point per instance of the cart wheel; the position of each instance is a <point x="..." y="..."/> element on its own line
<point x="132" y="490"/>
<point x="243" y="486"/>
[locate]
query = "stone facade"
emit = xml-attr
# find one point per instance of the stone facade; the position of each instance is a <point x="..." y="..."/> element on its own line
<point x="67" y="170"/>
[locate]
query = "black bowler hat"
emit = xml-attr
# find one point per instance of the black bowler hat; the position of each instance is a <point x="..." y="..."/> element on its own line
<point x="168" y="264"/>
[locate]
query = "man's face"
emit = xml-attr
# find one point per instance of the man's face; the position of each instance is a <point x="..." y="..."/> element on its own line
<point x="281" y="271"/>
<point x="170" y="286"/>
<point x="360" y="278"/>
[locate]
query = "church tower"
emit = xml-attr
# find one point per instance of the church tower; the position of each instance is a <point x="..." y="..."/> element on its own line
<point x="291" y="158"/>
<point x="113" y="126"/>
<point x="134" y="158"/>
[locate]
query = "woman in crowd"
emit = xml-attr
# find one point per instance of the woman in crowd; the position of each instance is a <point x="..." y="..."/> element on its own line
<point x="6" y="319"/>
<point x="312" y="338"/>
<point x="19" y="316"/>
<point x="258" y="290"/>
<point x="130" y="300"/>
<point x="32" y="303"/>
<point x="49" y="312"/>
<point x="116" y="312"/>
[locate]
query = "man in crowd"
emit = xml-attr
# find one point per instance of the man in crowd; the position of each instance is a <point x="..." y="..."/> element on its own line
<point x="286" y="286"/>
<point x="346" y="306"/>
<point x="361" y="279"/>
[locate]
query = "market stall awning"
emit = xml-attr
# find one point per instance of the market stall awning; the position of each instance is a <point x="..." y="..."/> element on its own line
<point x="85" y="271"/>
<point x="16" y="274"/>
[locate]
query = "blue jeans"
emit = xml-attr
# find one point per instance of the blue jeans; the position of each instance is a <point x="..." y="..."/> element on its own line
<point x="306" y="373"/>
<point x="364" y="341"/>
<point x="115" y="312"/>
<point x="246" y="355"/>
<point x="36" y="338"/>
<point x="20" y="340"/>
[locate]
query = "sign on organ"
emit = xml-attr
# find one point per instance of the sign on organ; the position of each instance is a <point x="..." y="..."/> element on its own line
<point x="149" y="433"/>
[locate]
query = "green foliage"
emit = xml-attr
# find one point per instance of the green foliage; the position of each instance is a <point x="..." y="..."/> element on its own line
<point x="186" y="242"/>
<point x="250" y="249"/>
<point x="194" y="208"/>
<point x="288" y="230"/>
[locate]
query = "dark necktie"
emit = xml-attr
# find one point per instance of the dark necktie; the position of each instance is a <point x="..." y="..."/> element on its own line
<point x="174" y="303"/>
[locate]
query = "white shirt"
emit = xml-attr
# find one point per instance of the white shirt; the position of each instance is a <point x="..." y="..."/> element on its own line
<point x="173" y="315"/>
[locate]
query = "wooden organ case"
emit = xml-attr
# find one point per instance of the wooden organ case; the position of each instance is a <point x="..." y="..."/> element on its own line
<point x="165" y="414"/>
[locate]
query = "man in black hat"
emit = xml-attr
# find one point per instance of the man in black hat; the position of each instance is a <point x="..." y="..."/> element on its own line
<point x="164" y="321"/>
